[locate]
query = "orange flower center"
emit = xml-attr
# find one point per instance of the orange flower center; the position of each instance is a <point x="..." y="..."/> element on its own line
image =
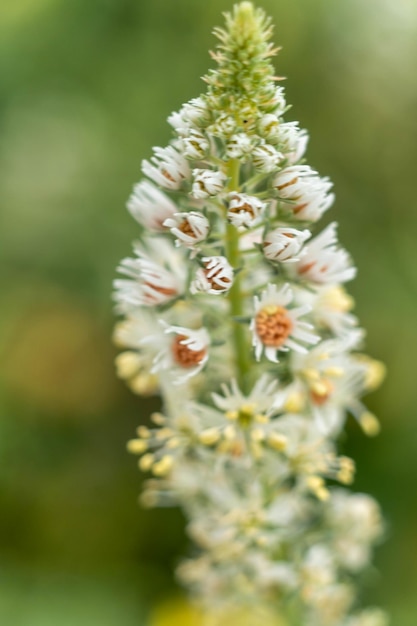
<point x="245" y="206"/>
<point x="183" y="355"/>
<point x="273" y="326"/>
<point x="185" y="227"/>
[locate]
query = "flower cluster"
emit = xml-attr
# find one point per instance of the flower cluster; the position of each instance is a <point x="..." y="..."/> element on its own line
<point x="235" y="312"/>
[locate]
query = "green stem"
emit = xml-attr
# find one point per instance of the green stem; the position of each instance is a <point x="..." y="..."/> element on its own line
<point x="235" y="295"/>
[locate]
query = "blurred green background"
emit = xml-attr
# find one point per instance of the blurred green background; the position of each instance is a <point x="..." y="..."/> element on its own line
<point x="85" y="88"/>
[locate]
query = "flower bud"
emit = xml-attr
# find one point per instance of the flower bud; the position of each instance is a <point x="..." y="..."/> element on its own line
<point x="238" y="145"/>
<point x="196" y="145"/>
<point x="189" y="228"/>
<point x="214" y="278"/>
<point x="207" y="183"/>
<point x="266" y="158"/>
<point x="244" y="210"/>
<point x="284" y="244"/>
<point x="268" y="127"/>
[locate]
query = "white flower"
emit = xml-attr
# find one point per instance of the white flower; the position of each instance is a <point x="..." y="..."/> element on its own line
<point x="266" y="158"/>
<point x="268" y="127"/>
<point x="284" y="244"/>
<point x="331" y="309"/>
<point x="260" y="399"/>
<point x="308" y="193"/>
<point x="196" y="111"/>
<point x="167" y="168"/>
<point x="195" y="145"/>
<point x="276" y="327"/>
<point x="178" y="122"/>
<point x="224" y="127"/>
<point x="192" y="114"/>
<point x="356" y="523"/>
<point x="244" y="210"/>
<point x="183" y="356"/>
<point x="279" y="102"/>
<point x="150" y="206"/>
<point x="207" y="183"/>
<point x="238" y="145"/>
<point x="331" y="382"/>
<point x="156" y="276"/>
<point x="251" y="416"/>
<point x="134" y="364"/>
<point x="323" y="261"/>
<point x="214" y="278"/>
<point x="190" y="228"/>
<point x="293" y="141"/>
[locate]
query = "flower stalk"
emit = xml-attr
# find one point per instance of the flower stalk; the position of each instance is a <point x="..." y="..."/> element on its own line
<point x="234" y="310"/>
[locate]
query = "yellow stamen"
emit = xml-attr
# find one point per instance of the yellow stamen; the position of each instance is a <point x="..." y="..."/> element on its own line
<point x="277" y="442"/>
<point x="137" y="446"/>
<point x="146" y="462"/>
<point x="162" y="467"/>
<point x="209" y="437"/>
<point x="370" y="424"/>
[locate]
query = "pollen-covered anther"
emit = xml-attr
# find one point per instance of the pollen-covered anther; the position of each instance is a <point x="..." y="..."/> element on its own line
<point x="183" y="355"/>
<point x="163" y="466"/>
<point x="242" y="207"/>
<point x="346" y="472"/>
<point x="321" y="391"/>
<point x="209" y="437"/>
<point x="273" y="325"/>
<point x="277" y="442"/>
<point x="370" y="424"/>
<point x="137" y="446"/>
<point x="317" y="486"/>
<point x="185" y="227"/>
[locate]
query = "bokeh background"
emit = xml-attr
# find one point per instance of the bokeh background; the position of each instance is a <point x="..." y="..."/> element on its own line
<point x="85" y="88"/>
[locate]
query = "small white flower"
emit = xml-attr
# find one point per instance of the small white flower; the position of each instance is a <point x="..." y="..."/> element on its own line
<point x="323" y="262"/>
<point x="190" y="228"/>
<point x="284" y="244"/>
<point x="183" y="356"/>
<point x="150" y="206"/>
<point x="279" y="102"/>
<point x="192" y="114"/>
<point x="155" y="277"/>
<point x="293" y="141"/>
<point x="260" y="399"/>
<point x="207" y="183"/>
<point x="134" y="364"/>
<point x="330" y="381"/>
<point x="178" y="122"/>
<point x="167" y="168"/>
<point x="308" y="193"/>
<point x="357" y="523"/>
<point x="266" y="158"/>
<point x="238" y="145"/>
<point x="276" y="327"/>
<point x="269" y="128"/>
<point x="224" y="127"/>
<point x="195" y="145"/>
<point x="244" y="210"/>
<point x="214" y="278"/>
<point x="196" y="111"/>
<point x="331" y="308"/>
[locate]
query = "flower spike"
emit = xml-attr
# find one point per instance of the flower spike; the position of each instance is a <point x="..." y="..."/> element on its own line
<point x="233" y="309"/>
